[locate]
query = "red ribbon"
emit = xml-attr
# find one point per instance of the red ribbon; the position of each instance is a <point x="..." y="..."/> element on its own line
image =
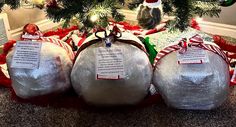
<point x="196" y="40"/>
<point x="184" y="45"/>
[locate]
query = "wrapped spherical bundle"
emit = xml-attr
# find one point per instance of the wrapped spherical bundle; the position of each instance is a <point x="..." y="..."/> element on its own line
<point x="198" y="81"/>
<point x="50" y="78"/>
<point x="104" y="82"/>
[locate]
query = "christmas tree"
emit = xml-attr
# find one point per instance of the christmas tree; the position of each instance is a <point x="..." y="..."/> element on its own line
<point x="185" y="10"/>
<point x="12" y="3"/>
<point x="92" y="13"/>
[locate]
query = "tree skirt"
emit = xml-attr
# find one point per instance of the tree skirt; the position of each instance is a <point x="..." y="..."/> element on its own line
<point x="17" y="114"/>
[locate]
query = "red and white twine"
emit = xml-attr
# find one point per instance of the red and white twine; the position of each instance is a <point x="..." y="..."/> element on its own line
<point x="196" y="41"/>
<point x="61" y="44"/>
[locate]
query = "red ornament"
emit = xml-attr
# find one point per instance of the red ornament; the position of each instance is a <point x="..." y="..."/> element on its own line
<point x="61" y="32"/>
<point x="52" y="4"/>
<point x="30" y="29"/>
<point x="31" y="32"/>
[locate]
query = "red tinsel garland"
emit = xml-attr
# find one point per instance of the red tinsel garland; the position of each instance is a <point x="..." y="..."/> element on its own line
<point x="223" y="44"/>
<point x="194" y="24"/>
<point x="60" y="32"/>
<point x="228" y="47"/>
<point x="73" y="98"/>
<point x="6" y="82"/>
<point x="7" y="46"/>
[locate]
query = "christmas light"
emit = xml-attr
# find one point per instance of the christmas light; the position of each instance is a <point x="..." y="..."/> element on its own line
<point x="94" y="18"/>
<point x="199" y="19"/>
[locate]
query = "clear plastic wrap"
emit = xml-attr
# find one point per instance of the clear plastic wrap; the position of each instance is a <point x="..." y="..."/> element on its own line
<point x="52" y="77"/>
<point x="192" y="86"/>
<point x="129" y="90"/>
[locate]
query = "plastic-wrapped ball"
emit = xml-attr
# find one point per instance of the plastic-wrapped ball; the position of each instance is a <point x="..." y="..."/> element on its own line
<point x="192" y="86"/>
<point x="52" y="77"/>
<point x="126" y="91"/>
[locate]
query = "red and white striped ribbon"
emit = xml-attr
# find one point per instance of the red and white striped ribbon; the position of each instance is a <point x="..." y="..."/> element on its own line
<point x="136" y="30"/>
<point x="194" y="41"/>
<point x="61" y="44"/>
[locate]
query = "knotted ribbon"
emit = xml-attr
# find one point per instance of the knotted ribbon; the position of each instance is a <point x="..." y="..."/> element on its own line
<point x="182" y="46"/>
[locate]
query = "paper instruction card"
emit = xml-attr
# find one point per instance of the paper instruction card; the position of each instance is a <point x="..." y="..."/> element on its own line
<point x="26" y="55"/>
<point x="193" y="55"/>
<point x="109" y="63"/>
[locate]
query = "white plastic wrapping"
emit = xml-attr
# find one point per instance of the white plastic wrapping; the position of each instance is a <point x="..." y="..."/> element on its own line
<point x="129" y="90"/>
<point x="52" y="76"/>
<point x="192" y="86"/>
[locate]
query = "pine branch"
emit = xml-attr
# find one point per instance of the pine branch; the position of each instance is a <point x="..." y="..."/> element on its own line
<point x="207" y="8"/>
<point x="85" y="10"/>
<point x="82" y="10"/>
<point x="134" y="4"/>
<point x="12" y="3"/>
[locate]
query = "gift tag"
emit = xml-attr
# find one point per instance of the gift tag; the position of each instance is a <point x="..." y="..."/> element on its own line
<point x="109" y="63"/>
<point x="193" y="55"/>
<point x="26" y="55"/>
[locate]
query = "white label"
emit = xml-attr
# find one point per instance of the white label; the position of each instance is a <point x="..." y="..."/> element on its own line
<point x="109" y="63"/>
<point x="3" y="67"/>
<point x="31" y="37"/>
<point x="193" y="55"/>
<point x="233" y="79"/>
<point x="26" y="55"/>
<point x="3" y="34"/>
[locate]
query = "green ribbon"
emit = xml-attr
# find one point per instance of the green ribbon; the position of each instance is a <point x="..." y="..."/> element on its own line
<point x="150" y="47"/>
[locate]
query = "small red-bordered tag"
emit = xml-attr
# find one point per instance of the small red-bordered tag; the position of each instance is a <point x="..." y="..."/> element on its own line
<point x="109" y="63"/>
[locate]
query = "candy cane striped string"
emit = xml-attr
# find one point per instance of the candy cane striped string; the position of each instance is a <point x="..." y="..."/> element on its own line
<point x="196" y="41"/>
<point x="61" y="44"/>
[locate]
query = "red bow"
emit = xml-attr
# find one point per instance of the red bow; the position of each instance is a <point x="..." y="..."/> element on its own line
<point x="196" y="40"/>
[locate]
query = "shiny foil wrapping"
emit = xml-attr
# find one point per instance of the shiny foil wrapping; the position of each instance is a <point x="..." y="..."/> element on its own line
<point x="51" y="78"/>
<point x="192" y="86"/>
<point x="129" y="90"/>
